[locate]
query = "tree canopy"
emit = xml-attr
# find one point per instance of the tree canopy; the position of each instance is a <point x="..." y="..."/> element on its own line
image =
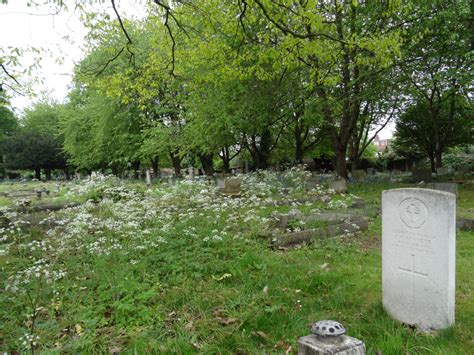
<point x="266" y="81"/>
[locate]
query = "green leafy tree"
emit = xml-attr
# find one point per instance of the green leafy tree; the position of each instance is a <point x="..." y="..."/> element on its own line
<point x="437" y="71"/>
<point x="416" y="129"/>
<point x="8" y="126"/>
<point x="37" y="144"/>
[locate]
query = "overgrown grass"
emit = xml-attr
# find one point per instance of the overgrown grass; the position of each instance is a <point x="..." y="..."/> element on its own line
<point x="195" y="274"/>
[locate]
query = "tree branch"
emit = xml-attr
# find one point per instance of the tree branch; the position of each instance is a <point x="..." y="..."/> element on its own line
<point x="11" y="88"/>
<point x="121" y="22"/>
<point x="291" y="32"/>
<point x="8" y="74"/>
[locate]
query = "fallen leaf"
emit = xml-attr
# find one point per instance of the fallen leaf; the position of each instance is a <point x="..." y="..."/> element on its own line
<point x="114" y="350"/>
<point x="227" y="321"/>
<point x="189" y="325"/>
<point x="280" y="345"/>
<point x="223" y="277"/>
<point x="260" y="334"/>
<point x="79" y="330"/>
<point x="217" y="312"/>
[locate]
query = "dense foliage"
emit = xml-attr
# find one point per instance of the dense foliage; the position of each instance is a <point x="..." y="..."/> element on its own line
<point x="37" y="143"/>
<point x="260" y="83"/>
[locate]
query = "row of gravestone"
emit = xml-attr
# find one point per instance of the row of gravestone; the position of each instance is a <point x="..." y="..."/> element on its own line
<point x="30" y="193"/>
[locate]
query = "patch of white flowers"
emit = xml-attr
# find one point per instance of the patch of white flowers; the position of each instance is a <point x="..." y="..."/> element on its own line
<point x="39" y="271"/>
<point x="124" y="221"/>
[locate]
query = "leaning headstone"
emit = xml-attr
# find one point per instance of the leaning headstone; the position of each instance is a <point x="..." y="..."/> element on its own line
<point x="442" y="171"/>
<point x="421" y="175"/>
<point x="359" y="176"/>
<point x="418" y="256"/>
<point x="444" y="186"/>
<point x="370" y="171"/>
<point x="232" y="186"/>
<point x="460" y="173"/>
<point x="338" y="185"/>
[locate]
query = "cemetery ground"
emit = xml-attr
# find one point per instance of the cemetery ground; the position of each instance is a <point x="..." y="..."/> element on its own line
<point x="183" y="268"/>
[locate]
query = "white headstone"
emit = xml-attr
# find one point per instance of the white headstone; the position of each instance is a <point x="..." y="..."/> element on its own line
<point x="148" y="177"/>
<point x="191" y="172"/>
<point x="418" y="256"/>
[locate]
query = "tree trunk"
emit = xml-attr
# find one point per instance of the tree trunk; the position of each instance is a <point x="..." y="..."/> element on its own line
<point x="225" y="160"/>
<point x="432" y="162"/>
<point x="206" y="161"/>
<point x="298" y="151"/>
<point x="47" y="172"/>
<point x="136" y="167"/>
<point x="66" y="172"/>
<point x="354" y="164"/>
<point x="176" y="160"/>
<point x="261" y="152"/>
<point x="340" y="162"/>
<point x="38" y="173"/>
<point x="155" y="166"/>
<point x="438" y="159"/>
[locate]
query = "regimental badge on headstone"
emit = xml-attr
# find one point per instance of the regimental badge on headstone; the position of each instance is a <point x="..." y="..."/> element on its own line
<point x="418" y="256"/>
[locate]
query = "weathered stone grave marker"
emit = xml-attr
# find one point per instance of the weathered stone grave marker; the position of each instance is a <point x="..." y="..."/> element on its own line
<point x="148" y="178"/>
<point x="338" y="184"/>
<point x="359" y="176"/>
<point x="371" y="171"/>
<point x="418" y="256"/>
<point x="442" y="171"/>
<point x="444" y="186"/>
<point x="421" y="174"/>
<point x="232" y="186"/>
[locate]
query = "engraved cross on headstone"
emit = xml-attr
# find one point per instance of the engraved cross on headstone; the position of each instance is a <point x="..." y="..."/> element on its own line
<point x="413" y="211"/>
<point x="413" y="273"/>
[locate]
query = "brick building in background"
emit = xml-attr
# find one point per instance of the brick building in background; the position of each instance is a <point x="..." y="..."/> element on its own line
<point x="381" y="144"/>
